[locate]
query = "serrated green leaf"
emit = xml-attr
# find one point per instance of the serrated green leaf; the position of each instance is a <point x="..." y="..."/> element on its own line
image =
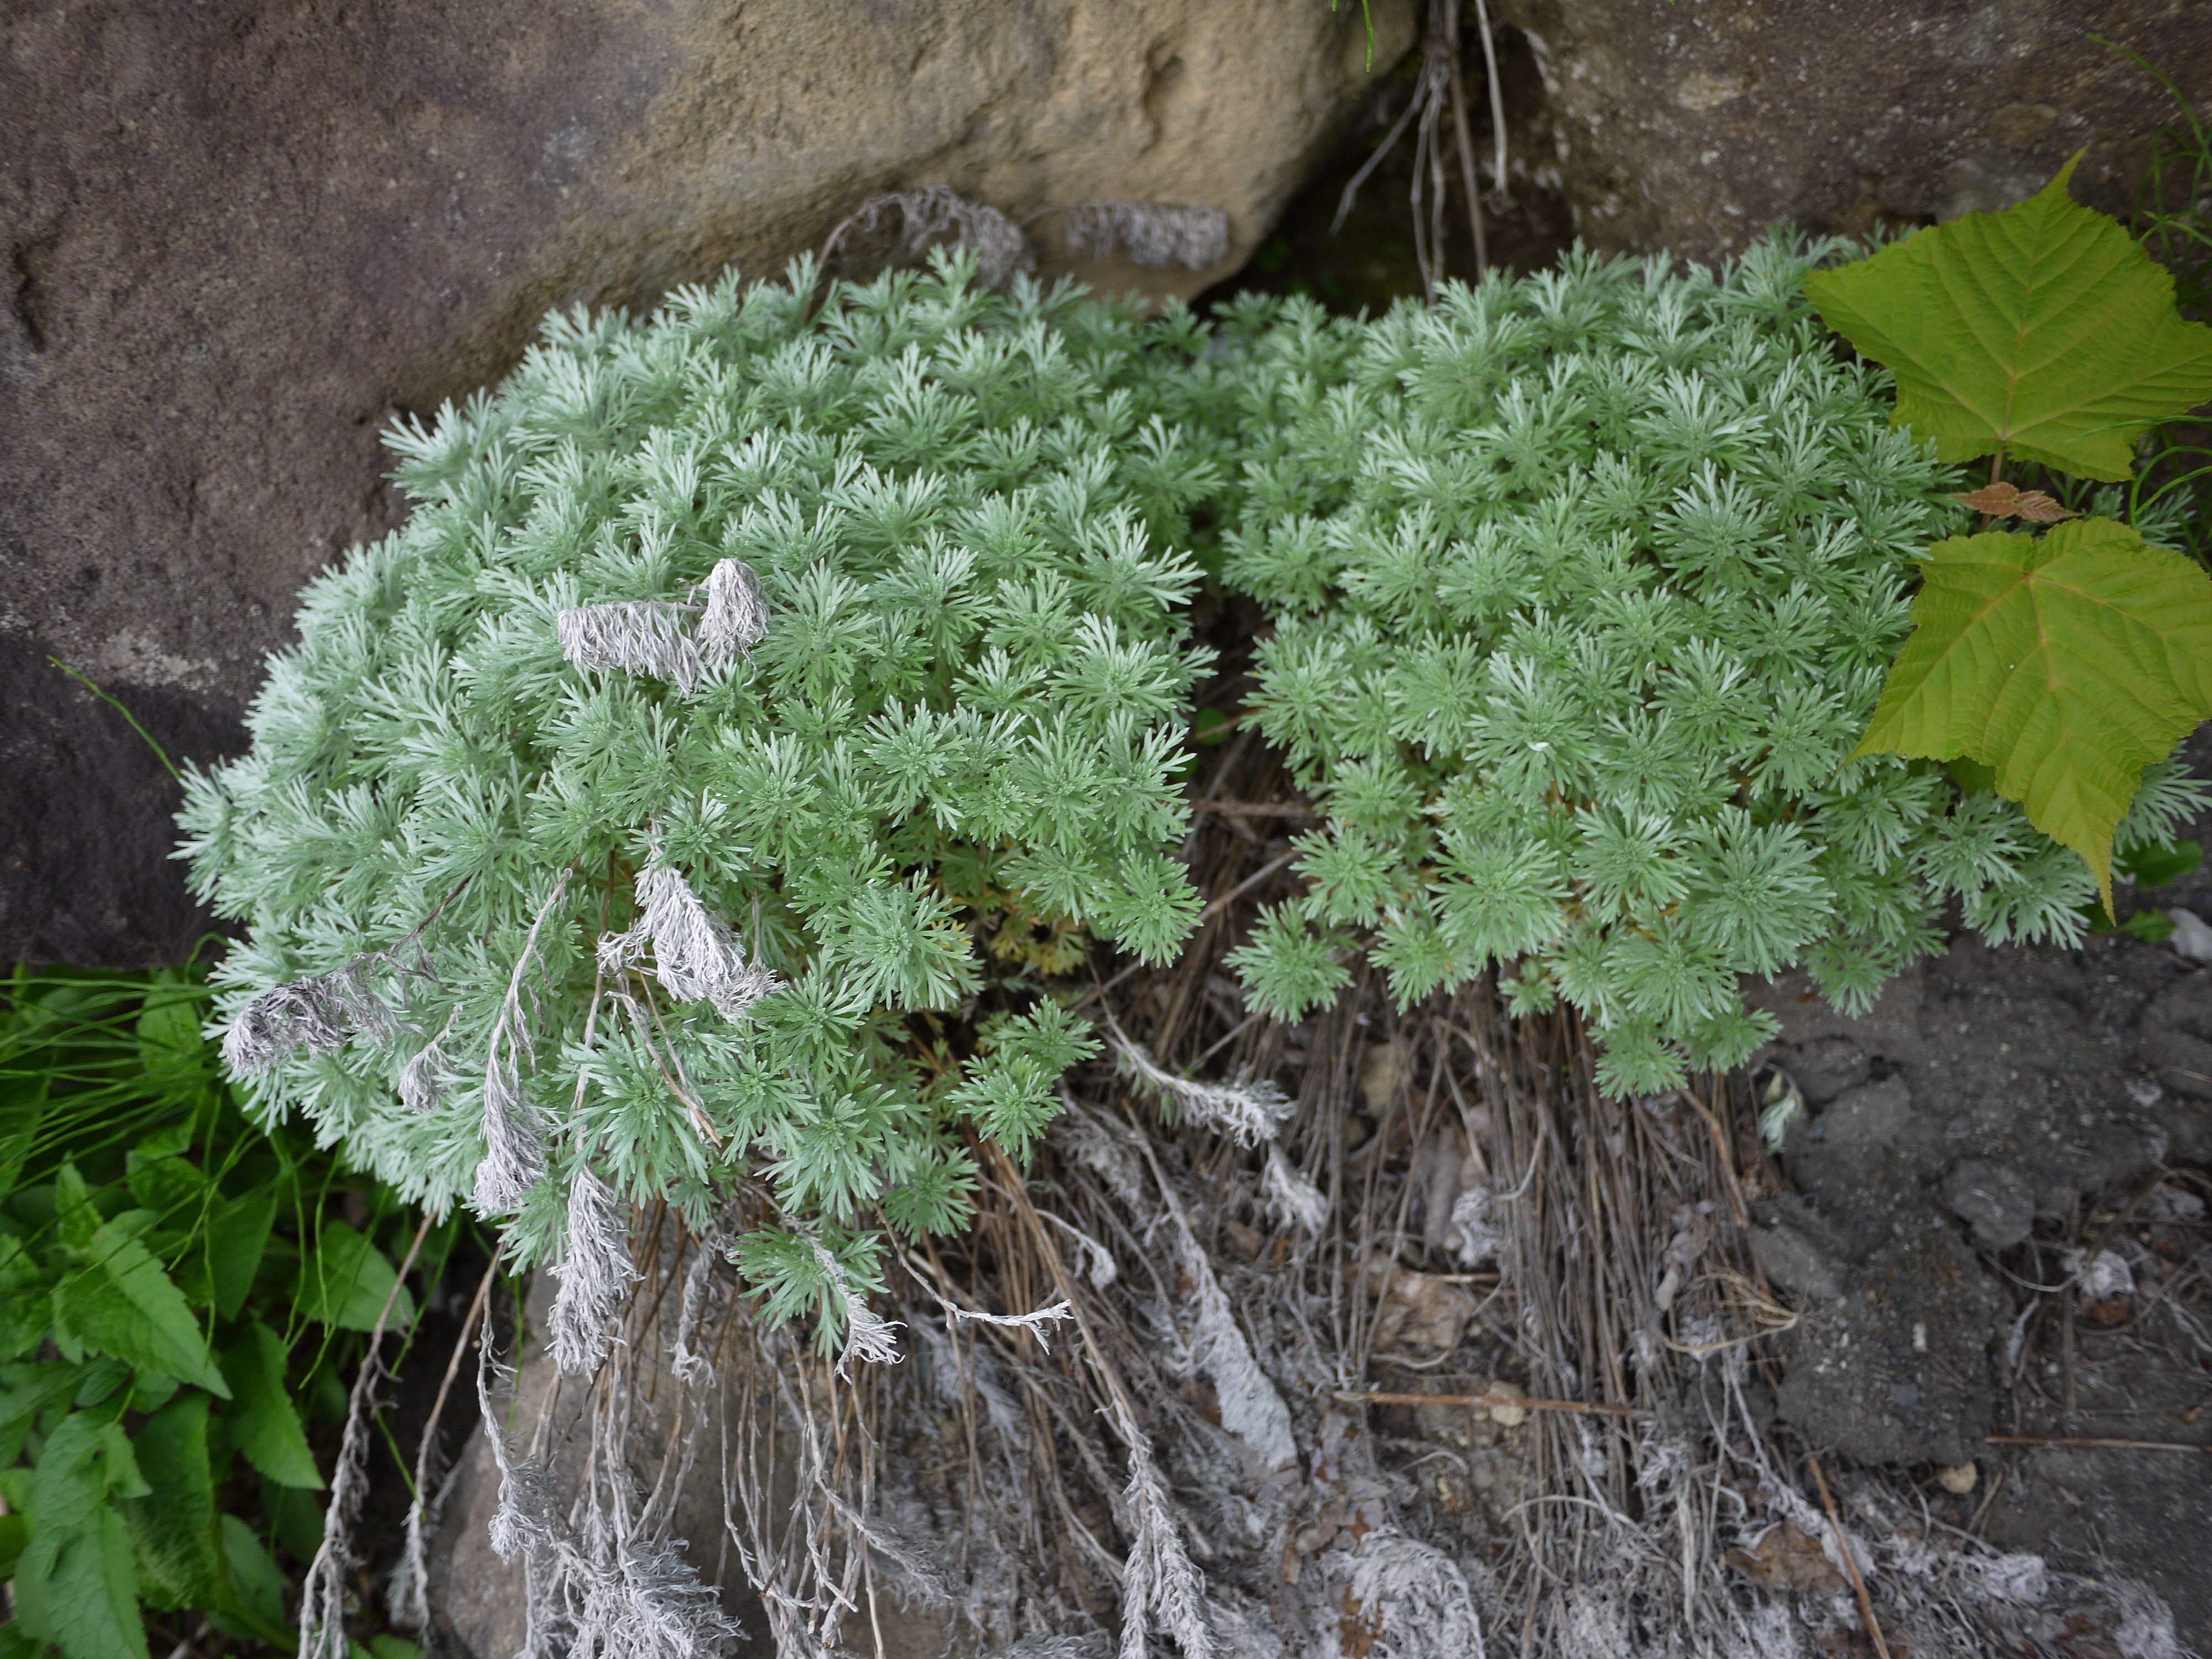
<point x="116" y="1300"/>
<point x="173" y="1527"/>
<point x="257" y="1607"/>
<point x="78" y="1587"/>
<point x="83" y="1460"/>
<point x="22" y="1108"/>
<point x="23" y="1305"/>
<point x="263" y="1421"/>
<point x="75" y="1216"/>
<point x="2043" y="330"/>
<point x="344" y="1280"/>
<point x="2148" y="926"/>
<point x="236" y="1237"/>
<point x="30" y="1389"/>
<point x="14" y="1531"/>
<point x="166" y="1185"/>
<point x="169" y="1039"/>
<point x="2068" y="663"/>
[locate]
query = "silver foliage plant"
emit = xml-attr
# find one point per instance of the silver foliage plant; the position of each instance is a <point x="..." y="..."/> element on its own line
<point x="737" y="671"/>
<point x="1583" y="586"/>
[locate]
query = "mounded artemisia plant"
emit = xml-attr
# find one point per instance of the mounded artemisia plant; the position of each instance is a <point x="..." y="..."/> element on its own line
<point x="758" y="701"/>
<point x="1582" y="588"/>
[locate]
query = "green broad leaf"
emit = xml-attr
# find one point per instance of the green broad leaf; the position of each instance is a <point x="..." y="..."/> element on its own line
<point x="84" y="1459"/>
<point x="14" y="1531"/>
<point x="2159" y="863"/>
<point x="2069" y="664"/>
<point x="24" y="1282"/>
<point x="263" y="1421"/>
<point x="76" y="1215"/>
<point x="170" y="1045"/>
<point x="236" y="1237"/>
<point x="26" y="1392"/>
<point x="116" y="1300"/>
<point x="166" y="1185"/>
<point x="22" y="1108"/>
<point x="258" y="1583"/>
<point x="2044" y="330"/>
<point x="2148" y="926"/>
<point x="78" y="1588"/>
<point x="150" y="1391"/>
<point x="344" y="1280"/>
<point x="174" y="1527"/>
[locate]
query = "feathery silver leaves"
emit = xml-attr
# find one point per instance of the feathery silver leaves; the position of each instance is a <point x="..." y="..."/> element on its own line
<point x="674" y="640"/>
<point x="321" y="1013"/>
<point x="1159" y="1585"/>
<point x="514" y="1143"/>
<point x="1152" y="233"/>
<point x="1248" y="1113"/>
<point x="595" y="1271"/>
<point x="695" y="957"/>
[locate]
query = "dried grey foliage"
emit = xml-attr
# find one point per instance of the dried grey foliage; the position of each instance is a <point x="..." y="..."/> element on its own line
<point x="1415" y="1599"/>
<point x="675" y="640"/>
<point x="595" y="1271"/>
<point x="605" y="1582"/>
<point x="1251" y="1409"/>
<point x="321" y="1013"/>
<point x="1289" y="1196"/>
<point x="1247" y="1113"/>
<point x="514" y="1141"/>
<point x="323" y="1593"/>
<point x="868" y="1335"/>
<point x="1160" y="1587"/>
<point x="422" y="1079"/>
<point x="696" y="956"/>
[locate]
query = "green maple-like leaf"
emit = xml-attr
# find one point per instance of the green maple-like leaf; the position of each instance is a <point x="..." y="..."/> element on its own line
<point x="2068" y="663"/>
<point x="2045" y="331"/>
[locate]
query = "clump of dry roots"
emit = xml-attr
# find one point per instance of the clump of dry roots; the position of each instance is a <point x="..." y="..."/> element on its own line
<point x="1442" y="1356"/>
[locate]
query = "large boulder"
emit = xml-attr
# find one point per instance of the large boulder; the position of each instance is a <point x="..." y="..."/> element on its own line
<point x="242" y="236"/>
<point x="1693" y="125"/>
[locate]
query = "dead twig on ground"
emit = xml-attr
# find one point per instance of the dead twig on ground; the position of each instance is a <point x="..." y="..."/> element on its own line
<point x="1851" y="1561"/>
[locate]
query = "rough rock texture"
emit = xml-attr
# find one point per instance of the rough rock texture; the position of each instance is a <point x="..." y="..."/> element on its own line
<point x="240" y="237"/>
<point x="1693" y="125"/>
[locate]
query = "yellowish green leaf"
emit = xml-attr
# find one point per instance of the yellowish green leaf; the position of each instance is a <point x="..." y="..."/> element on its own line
<point x="2068" y="663"/>
<point x="2045" y="331"/>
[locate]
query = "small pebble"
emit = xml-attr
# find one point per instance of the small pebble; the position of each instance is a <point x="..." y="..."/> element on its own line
<point x="2192" y="936"/>
<point x="1508" y="1416"/>
<point x="1959" y="1481"/>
